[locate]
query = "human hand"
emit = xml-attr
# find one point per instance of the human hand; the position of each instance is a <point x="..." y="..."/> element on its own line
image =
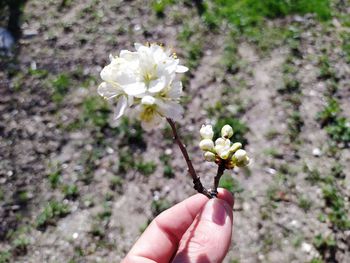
<point x="195" y="230"/>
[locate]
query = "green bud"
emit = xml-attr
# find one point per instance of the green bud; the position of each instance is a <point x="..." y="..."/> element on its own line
<point x="226" y="131"/>
<point x="236" y="146"/>
<point x="209" y="156"/>
<point x="206" y="145"/>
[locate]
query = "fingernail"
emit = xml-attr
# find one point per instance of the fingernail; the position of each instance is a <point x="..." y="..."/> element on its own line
<point x="215" y="211"/>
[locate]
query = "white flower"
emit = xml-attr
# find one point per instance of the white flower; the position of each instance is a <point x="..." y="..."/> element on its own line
<point x="206" y="132"/>
<point x="144" y="78"/>
<point x="226" y="131"/>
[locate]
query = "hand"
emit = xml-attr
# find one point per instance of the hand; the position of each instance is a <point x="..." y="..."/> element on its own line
<point x="195" y="230"/>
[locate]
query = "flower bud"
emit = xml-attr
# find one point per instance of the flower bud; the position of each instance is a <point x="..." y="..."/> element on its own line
<point x="235" y="147"/>
<point x="240" y="155"/>
<point x="206" y="145"/>
<point x="223" y="142"/>
<point x="226" y="131"/>
<point x="244" y="162"/>
<point x="209" y="156"/>
<point x="207" y="132"/>
<point x="218" y="149"/>
<point x="224" y="154"/>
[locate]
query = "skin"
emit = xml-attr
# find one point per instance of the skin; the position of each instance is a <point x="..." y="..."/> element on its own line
<point x="196" y="230"/>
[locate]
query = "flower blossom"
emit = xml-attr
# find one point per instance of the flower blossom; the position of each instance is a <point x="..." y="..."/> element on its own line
<point x="145" y="80"/>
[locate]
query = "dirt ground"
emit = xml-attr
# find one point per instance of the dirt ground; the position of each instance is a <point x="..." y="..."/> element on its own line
<point x="77" y="187"/>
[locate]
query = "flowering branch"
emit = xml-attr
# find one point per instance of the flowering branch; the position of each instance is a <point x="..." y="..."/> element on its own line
<point x="196" y="179"/>
<point x="145" y="81"/>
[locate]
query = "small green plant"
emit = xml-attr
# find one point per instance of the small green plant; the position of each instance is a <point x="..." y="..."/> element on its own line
<point x="168" y="170"/>
<point x="338" y="214"/>
<point x="97" y="111"/>
<point x="231" y="184"/>
<point x="61" y="86"/>
<point x="116" y="182"/>
<point x="304" y="203"/>
<point x="339" y="131"/>
<point x="146" y="168"/>
<point x="326" y="71"/>
<point x="54" y="178"/>
<point x="323" y="243"/>
<point x="159" y="6"/>
<point x="126" y="160"/>
<point x="70" y="191"/>
<point x="159" y="206"/>
<point x="5" y="256"/>
<point x="329" y="114"/>
<point x="52" y="211"/>
<point x="316" y="260"/>
<point x="295" y="124"/>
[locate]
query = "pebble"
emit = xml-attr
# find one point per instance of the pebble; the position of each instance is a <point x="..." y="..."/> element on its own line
<point x="271" y="171"/>
<point x="306" y="247"/>
<point x="168" y="151"/>
<point x="75" y="235"/>
<point x="316" y="152"/>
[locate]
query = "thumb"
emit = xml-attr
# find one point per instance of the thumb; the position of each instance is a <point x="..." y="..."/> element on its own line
<point x="208" y="238"/>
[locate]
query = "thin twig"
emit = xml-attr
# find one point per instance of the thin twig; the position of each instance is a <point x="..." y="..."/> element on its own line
<point x="220" y="172"/>
<point x="196" y="180"/>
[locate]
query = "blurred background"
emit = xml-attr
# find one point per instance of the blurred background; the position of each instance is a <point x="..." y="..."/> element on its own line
<point x="76" y="187"/>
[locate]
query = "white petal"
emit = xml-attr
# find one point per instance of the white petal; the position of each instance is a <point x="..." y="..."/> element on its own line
<point x="175" y="91"/>
<point x="133" y="89"/>
<point x="157" y="85"/>
<point x="153" y="123"/>
<point x="121" y="106"/>
<point x="137" y="46"/>
<point x="181" y="69"/>
<point x="170" y="109"/>
<point x="148" y="100"/>
<point x="108" y="90"/>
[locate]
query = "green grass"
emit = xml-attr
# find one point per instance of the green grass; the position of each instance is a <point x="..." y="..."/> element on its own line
<point x="159" y="6"/>
<point x="231" y="184"/>
<point x="159" y="206"/>
<point x="60" y="86"/>
<point x="54" y="178"/>
<point x="168" y="171"/>
<point x="5" y="256"/>
<point x="146" y="168"/>
<point x="70" y="191"/>
<point x="338" y="215"/>
<point x="339" y="131"/>
<point x="246" y="13"/>
<point x="329" y="113"/>
<point x="51" y="213"/>
<point x="304" y="203"/>
<point x="96" y="111"/>
<point x="116" y="182"/>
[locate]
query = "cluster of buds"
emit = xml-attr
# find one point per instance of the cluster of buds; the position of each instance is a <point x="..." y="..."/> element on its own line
<point x="222" y="152"/>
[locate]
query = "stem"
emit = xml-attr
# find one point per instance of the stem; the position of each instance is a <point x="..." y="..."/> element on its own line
<point x="220" y="172"/>
<point x="196" y="180"/>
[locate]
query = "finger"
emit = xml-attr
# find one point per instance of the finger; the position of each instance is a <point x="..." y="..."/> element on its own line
<point x="209" y="236"/>
<point x="160" y="240"/>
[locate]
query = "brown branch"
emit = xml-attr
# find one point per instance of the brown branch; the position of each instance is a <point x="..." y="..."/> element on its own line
<point x="196" y="180"/>
<point x="220" y="172"/>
